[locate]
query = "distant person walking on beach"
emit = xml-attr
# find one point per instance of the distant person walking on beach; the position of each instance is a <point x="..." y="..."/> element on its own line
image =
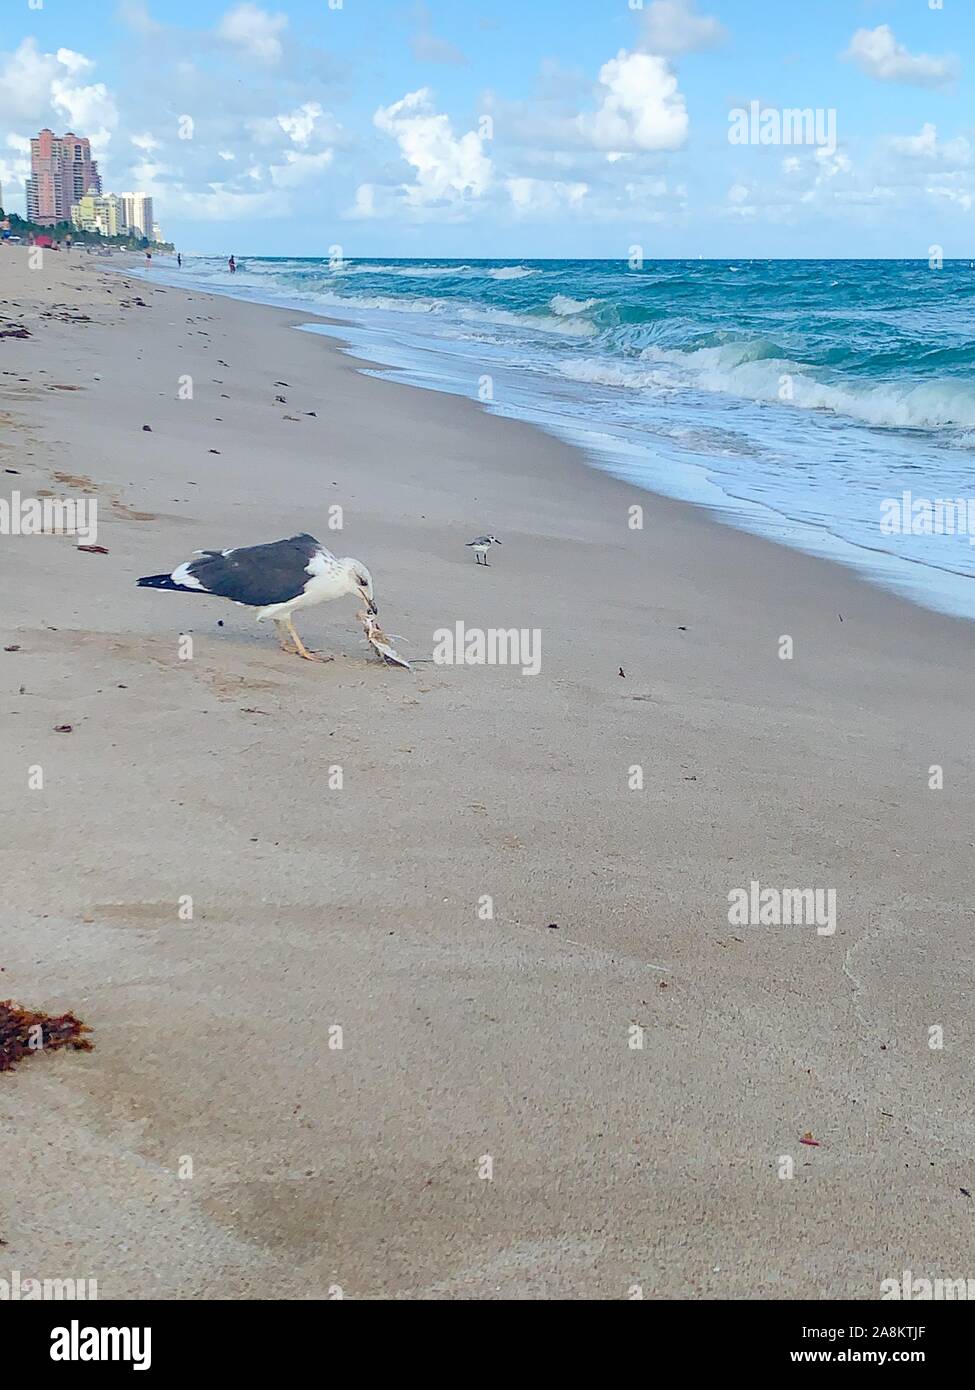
<point x="148" y="260"/>
<point x="233" y="266"/>
<point x="179" y="259"/>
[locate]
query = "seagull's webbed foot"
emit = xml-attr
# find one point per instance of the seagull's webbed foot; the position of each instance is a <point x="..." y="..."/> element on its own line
<point x="301" y="650"/>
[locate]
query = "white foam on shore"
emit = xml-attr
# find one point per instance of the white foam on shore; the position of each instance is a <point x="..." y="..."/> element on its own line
<point x="598" y="372"/>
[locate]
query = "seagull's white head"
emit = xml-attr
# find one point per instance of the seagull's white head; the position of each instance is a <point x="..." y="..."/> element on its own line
<point x="359" y="581"/>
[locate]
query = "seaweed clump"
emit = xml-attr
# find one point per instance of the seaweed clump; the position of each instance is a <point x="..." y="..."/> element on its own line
<point x="22" y="1032"/>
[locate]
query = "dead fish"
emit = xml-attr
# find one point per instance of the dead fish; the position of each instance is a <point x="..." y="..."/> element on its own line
<point x="379" y="642"/>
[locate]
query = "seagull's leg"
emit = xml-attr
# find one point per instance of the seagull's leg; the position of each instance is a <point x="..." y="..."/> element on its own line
<point x="300" y="647"/>
<point x="281" y="627"/>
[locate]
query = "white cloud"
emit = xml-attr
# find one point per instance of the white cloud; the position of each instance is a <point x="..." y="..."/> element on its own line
<point x="640" y="189"/>
<point x="74" y="62"/>
<point x="213" y="202"/>
<point x="25" y="81"/>
<point x="831" y="163"/>
<point x="898" y="178"/>
<point x="14" y="169"/>
<point x="42" y="89"/>
<point x="145" y="175"/>
<point x="448" y="168"/>
<point x="674" y="26"/>
<point x="254" y="32"/>
<point x="953" y="192"/>
<point x="821" y="169"/>
<point x="544" y="197"/>
<point x="822" y="181"/>
<point x="88" y="111"/>
<point x="309" y="124"/>
<point x="877" y="53"/>
<point x="299" y="168"/>
<point x="640" y="106"/>
<point x="146" y="142"/>
<point x="310" y="119"/>
<point x="926" y="145"/>
<point x="365" y="202"/>
<point x="299" y="125"/>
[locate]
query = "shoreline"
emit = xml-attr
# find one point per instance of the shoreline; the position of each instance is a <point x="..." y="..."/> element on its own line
<point x="331" y="328"/>
<point x="314" y="909"/>
<point x="398" y="343"/>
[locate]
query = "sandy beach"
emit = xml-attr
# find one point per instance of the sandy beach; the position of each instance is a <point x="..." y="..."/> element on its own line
<point x="489" y="1127"/>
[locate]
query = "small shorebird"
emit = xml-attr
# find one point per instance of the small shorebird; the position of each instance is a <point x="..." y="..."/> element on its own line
<point x="480" y="546"/>
<point x="276" y="579"/>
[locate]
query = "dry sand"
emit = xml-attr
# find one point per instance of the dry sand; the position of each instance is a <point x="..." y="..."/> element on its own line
<point x="313" y="1166"/>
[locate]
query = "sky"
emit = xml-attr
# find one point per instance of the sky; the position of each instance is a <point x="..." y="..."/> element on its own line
<point x="512" y="128"/>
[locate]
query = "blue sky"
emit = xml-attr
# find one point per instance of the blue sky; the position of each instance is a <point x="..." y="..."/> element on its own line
<point x="471" y="128"/>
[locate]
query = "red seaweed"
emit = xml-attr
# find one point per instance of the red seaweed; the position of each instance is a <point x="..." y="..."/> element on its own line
<point x="19" y="1039"/>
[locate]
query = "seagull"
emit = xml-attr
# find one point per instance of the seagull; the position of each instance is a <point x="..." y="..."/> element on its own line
<point x="481" y="545"/>
<point x="276" y="579"/>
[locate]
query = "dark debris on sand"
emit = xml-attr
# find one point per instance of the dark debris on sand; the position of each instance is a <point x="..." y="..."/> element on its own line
<point x="18" y="1038"/>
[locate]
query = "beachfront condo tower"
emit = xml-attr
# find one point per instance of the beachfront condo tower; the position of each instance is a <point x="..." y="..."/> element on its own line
<point x="62" y="172"/>
<point x="138" y="213"/>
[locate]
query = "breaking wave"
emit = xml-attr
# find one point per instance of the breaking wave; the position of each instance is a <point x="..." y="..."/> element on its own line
<point x="750" y="370"/>
<point x="512" y="272"/>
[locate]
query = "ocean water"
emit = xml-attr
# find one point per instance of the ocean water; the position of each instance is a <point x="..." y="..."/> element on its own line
<point x="800" y="399"/>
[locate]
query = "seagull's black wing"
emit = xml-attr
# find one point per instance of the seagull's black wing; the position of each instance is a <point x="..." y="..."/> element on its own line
<point x="255" y="575"/>
<point x="258" y="574"/>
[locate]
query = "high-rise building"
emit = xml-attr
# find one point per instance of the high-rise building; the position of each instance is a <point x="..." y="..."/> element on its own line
<point x="62" y="171"/>
<point x="103" y="213"/>
<point x="138" y="213"/>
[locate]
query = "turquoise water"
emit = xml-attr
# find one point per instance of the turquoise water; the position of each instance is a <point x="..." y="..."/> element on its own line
<point x="791" y="397"/>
